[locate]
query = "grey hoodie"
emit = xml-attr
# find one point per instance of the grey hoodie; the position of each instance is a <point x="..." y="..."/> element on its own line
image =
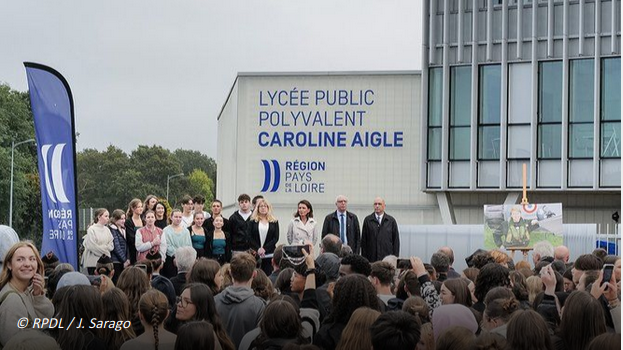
<point x="240" y="311"/>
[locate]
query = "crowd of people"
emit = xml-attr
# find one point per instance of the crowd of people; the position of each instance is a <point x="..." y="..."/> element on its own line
<point x="190" y="279"/>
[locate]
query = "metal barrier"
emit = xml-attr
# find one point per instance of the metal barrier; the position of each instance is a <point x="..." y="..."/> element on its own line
<point x="424" y="240"/>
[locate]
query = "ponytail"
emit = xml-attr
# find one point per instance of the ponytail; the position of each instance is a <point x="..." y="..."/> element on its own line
<point x="155" y="322"/>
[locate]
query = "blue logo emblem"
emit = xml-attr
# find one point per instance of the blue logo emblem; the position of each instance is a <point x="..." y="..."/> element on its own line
<point x="54" y="173"/>
<point x="269" y="171"/>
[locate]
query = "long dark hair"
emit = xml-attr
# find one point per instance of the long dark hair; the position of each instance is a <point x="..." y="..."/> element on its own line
<point x="460" y="290"/>
<point x="80" y="303"/>
<point x="527" y="330"/>
<point x="195" y="335"/>
<point x="205" y="271"/>
<point x="582" y="320"/>
<point x="203" y="299"/>
<point x="280" y="320"/>
<point x="134" y="283"/>
<point x="116" y="307"/>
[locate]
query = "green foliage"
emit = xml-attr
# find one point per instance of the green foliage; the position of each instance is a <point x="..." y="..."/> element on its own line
<point x="201" y="183"/>
<point x="16" y="125"/>
<point x="192" y="160"/>
<point x="109" y="178"/>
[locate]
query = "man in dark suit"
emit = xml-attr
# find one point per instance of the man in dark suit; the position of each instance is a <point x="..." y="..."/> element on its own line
<point x="343" y="224"/>
<point x="379" y="236"/>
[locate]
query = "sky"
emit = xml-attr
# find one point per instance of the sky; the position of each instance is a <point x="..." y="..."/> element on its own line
<point x="145" y="72"/>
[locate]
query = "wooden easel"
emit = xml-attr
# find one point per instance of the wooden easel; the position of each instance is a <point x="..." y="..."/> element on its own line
<point x="524" y="201"/>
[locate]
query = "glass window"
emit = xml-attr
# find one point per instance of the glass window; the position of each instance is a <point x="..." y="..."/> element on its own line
<point x="489" y="96"/>
<point x="550" y="141"/>
<point x="435" y="108"/>
<point x="460" y="95"/>
<point x="519" y="93"/>
<point x="610" y="108"/>
<point x="611" y="89"/>
<point x="550" y="91"/>
<point x="611" y="140"/>
<point x="459" y="143"/>
<point x="519" y="141"/>
<point x="581" y="90"/>
<point x="550" y="110"/>
<point x="489" y="142"/>
<point x="581" y="105"/>
<point x="435" y="102"/>
<point x="581" y="140"/>
<point x="434" y="144"/>
<point x="460" y="112"/>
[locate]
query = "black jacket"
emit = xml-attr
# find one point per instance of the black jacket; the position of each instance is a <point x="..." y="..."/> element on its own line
<point x="178" y="283"/>
<point x="272" y="237"/>
<point x="353" y="232"/>
<point x="130" y="234"/>
<point x="238" y="231"/>
<point x="208" y="245"/>
<point x="379" y="240"/>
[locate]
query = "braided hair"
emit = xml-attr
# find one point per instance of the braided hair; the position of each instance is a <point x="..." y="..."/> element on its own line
<point x="155" y="321"/>
<point x="153" y="307"/>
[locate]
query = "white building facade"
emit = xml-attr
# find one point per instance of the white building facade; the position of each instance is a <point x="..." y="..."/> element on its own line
<point x="294" y="136"/>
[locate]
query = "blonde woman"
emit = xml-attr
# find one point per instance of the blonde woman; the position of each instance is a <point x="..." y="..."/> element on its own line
<point x="22" y="292"/>
<point x="264" y="233"/>
<point x="98" y="241"/>
<point x="177" y="236"/>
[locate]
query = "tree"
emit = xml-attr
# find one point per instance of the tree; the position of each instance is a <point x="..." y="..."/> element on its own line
<point x="16" y="125"/>
<point x="154" y="164"/>
<point x="192" y="160"/>
<point x="200" y="183"/>
<point x="110" y="179"/>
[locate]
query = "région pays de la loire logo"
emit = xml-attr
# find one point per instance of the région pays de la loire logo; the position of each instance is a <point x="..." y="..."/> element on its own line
<point x="299" y="176"/>
<point x="53" y="172"/>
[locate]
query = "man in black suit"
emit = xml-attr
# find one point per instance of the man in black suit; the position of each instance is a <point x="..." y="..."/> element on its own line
<point x="343" y="224"/>
<point x="379" y="236"/>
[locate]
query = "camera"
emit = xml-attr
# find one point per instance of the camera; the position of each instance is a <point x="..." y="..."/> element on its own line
<point x="295" y="251"/>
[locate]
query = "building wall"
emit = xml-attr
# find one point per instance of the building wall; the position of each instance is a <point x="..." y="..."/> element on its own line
<point x="248" y="161"/>
<point x="227" y="150"/>
<point x="511" y="83"/>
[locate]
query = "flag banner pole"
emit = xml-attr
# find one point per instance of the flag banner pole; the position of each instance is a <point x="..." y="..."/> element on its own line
<point x="53" y="111"/>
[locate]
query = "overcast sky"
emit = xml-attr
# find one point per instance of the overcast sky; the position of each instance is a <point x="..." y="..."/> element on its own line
<point x="158" y="71"/>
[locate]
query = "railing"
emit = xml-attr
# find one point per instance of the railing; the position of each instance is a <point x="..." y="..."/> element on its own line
<point x="424" y="240"/>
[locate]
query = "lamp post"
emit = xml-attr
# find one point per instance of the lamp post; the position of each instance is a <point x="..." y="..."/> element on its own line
<point x="169" y="177"/>
<point x="13" y="145"/>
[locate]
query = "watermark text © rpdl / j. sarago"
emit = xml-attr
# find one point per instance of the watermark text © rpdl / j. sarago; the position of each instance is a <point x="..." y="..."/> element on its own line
<point x="59" y="323"/>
